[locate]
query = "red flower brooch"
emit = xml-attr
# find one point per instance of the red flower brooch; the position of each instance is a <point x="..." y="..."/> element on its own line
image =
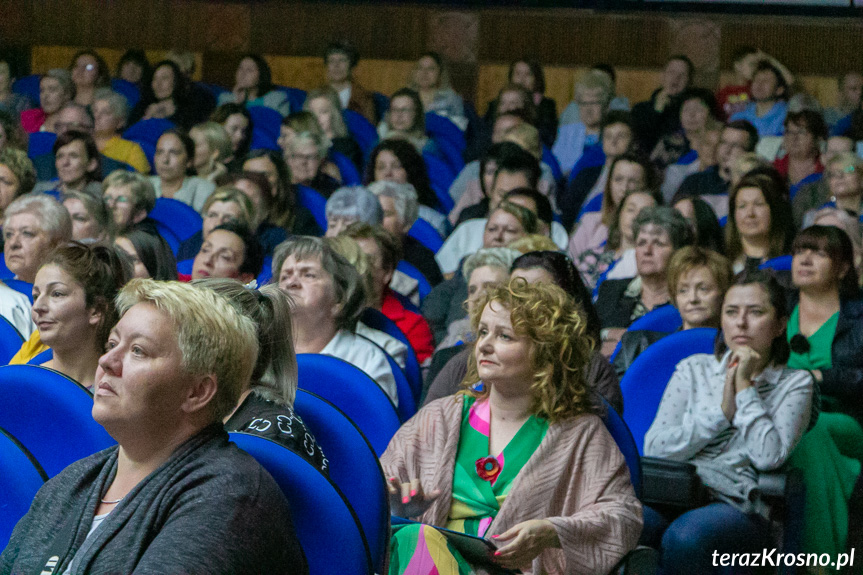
<point x="487" y="468"/>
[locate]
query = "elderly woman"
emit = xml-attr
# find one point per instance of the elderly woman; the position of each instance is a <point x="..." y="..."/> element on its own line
<point x="405" y="120"/>
<point x="91" y="220"/>
<point x="17" y="176"/>
<point x="230" y="250"/>
<point x="400" y="210"/>
<point x="175" y="152"/>
<point x="226" y="204"/>
<point x="55" y="90"/>
<point x="844" y="175"/>
<point x="733" y="415"/>
<point x="78" y="165"/>
<point x="269" y="395"/>
<point x="174" y="367"/>
<point x="89" y="73"/>
<point x="110" y="112"/>
<point x="167" y="97"/>
<point x="130" y="197"/>
<point x="616" y="258"/>
<point x="328" y="298"/>
<point x="285" y="212"/>
<point x="551" y="267"/>
<point x="349" y="205"/>
<point x="805" y="133"/>
<point x="212" y="150"/>
<point x="659" y="231"/>
<point x="253" y="86"/>
<point x="150" y="255"/>
<point x="324" y="104"/>
<point x="627" y="172"/>
<point x="496" y="462"/>
<point x="825" y="333"/>
<point x="73" y="308"/>
<point x="759" y="222"/>
<point x="697" y="281"/>
<point x="430" y="79"/>
<point x="305" y="155"/>
<point x="33" y="226"/>
<point x="593" y="93"/>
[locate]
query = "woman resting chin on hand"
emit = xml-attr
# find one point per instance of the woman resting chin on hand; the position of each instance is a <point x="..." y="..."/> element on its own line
<point x="498" y="462"/>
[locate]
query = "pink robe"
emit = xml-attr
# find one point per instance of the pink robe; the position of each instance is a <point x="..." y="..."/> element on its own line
<point x="577" y="479"/>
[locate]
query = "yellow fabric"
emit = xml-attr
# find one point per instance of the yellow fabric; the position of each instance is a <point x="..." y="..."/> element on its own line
<point x="128" y="152"/>
<point x="29" y="349"/>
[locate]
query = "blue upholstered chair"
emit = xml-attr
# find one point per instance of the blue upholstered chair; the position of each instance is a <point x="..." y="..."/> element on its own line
<point x="21" y="476"/>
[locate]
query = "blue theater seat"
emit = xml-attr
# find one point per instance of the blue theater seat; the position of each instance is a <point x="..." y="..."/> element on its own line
<point x="21" y="476"/>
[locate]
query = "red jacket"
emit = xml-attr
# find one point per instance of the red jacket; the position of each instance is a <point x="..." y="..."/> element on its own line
<point x="413" y="325"/>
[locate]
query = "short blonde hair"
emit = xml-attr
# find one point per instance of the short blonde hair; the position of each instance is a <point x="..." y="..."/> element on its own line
<point x="213" y="337"/>
<point x="21" y="167"/>
<point x="232" y="194"/>
<point x="560" y="349"/>
<point x="526" y="137"/>
<point x="141" y="189"/>
<point x="846" y="160"/>
<point x="534" y="243"/>
<point x="689" y="258"/>
<point x="52" y="215"/>
<point x="595" y="80"/>
<point x="217" y="138"/>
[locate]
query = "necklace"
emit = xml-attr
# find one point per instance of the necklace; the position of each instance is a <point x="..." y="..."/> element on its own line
<point x="111" y="502"/>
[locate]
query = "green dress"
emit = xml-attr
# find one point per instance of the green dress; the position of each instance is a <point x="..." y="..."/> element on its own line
<point x="481" y="483"/>
<point x="829" y="454"/>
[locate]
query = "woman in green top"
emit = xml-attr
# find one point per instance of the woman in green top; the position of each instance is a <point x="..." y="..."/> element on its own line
<point x="825" y="333"/>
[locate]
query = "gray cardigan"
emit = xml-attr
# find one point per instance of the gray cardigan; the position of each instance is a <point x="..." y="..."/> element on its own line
<point x="210" y="508"/>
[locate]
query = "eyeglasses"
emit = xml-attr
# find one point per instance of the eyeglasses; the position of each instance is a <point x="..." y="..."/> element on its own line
<point x="799" y="344"/>
<point x="304" y="157"/>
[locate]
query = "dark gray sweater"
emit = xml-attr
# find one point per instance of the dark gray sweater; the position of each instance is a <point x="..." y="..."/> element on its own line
<point x="210" y="508"/>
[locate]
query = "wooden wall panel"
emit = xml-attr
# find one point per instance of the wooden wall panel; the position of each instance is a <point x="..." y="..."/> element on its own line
<point x="43" y="58"/>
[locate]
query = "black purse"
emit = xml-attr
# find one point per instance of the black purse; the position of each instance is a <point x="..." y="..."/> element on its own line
<point x="667" y="483"/>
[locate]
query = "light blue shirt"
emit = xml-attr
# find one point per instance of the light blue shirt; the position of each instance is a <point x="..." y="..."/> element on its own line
<point x="570" y="143"/>
<point x="770" y="124"/>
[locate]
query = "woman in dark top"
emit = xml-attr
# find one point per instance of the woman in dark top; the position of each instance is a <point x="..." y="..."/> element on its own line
<point x="166" y="96"/>
<point x="265" y="405"/>
<point x="760" y="226"/>
<point x="529" y="75"/>
<point x="237" y="121"/>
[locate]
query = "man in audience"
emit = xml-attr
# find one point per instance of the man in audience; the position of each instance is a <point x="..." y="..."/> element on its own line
<point x="734" y="97"/>
<point x="592" y="94"/>
<point x="384" y="252"/>
<point x="229" y="251"/>
<point x="73" y="117"/>
<point x="340" y="59"/>
<point x="712" y="185"/>
<point x="768" y="107"/>
<point x="850" y="96"/>
<point x="661" y="114"/>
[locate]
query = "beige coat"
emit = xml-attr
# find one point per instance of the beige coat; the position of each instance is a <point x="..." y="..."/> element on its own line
<point x="577" y="478"/>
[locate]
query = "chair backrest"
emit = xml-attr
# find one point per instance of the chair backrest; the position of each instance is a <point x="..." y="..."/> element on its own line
<point x="127" y="89"/>
<point x="148" y="131"/>
<point x="347" y="169"/>
<point x="441" y="176"/>
<point x="377" y="320"/>
<point x="266" y="124"/>
<point x="594" y="205"/>
<point x="590" y="157"/>
<point x="361" y="130"/>
<point x="28" y="86"/>
<point x="214" y="89"/>
<point x="442" y="128"/>
<point x="625" y="442"/>
<point x="426" y="234"/>
<point x="5" y="272"/>
<point x="407" y="406"/>
<point x="21" y="476"/>
<point x="180" y="218"/>
<point x="266" y="271"/>
<point x="779" y="264"/>
<point x="41" y="143"/>
<point x="664" y="318"/>
<point x="409" y="269"/>
<point x="382" y="104"/>
<point x="549" y="159"/>
<point x="352" y="391"/>
<point x="10" y="340"/>
<point x="406" y="302"/>
<point x="22" y="287"/>
<point x="353" y="466"/>
<point x="50" y="414"/>
<point x="313" y="201"/>
<point x="320" y="513"/>
<point x="445" y="150"/>
<point x="644" y="382"/>
<point x="296" y="97"/>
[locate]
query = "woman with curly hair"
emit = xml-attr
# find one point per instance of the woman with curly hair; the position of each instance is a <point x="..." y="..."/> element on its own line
<point x="496" y="461"/>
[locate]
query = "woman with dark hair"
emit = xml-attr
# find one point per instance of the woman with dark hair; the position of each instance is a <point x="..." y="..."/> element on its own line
<point x="134" y="67"/>
<point x="805" y="133"/>
<point x="150" y="255"/>
<point x="166" y="96"/>
<point x="405" y="120"/>
<point x="73" y="306"/>
<point x="825" y="333"/>
<point x="529" y="75"/>
<point x="253" y="86"/>
<point x="398" y="161"/>
<point x="285" y="212"/>
<point x="78" y="165"/>
<point x="699" y="117"/>
<point x="89" y="73"/>
<point x="708" y="231"/>
<point x="175" y="155"/>
<point x="760" y="226"/>
<point x="237" y="122"/>
<point x="11" y="133"/>
<point x="733" y="415"/>
<point x="430" y="78"/>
